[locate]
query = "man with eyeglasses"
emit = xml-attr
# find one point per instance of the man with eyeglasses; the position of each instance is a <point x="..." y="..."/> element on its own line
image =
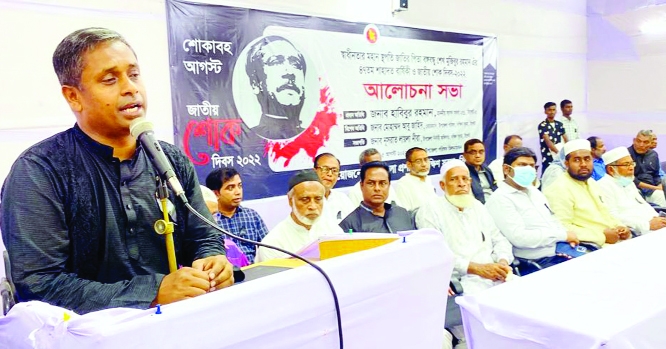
<point x="646" y="172"/>
<point x="374" y="214"/>
<point x="414" y="189"/>
<point x="483" y="181"/>
<point x="577" y="202"/>
<point x="621" y="196"/>
<point x="336" y="205"/>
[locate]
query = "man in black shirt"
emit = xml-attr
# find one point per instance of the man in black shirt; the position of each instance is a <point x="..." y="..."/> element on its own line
<point x="374" y="214"/>
<point x="78" y="208"/>
<point x="646" y="171"/>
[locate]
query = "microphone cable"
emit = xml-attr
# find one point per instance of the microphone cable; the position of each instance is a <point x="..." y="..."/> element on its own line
<point x="328" y="280"/>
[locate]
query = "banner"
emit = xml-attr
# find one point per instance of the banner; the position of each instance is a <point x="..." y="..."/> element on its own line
<point x="266" y="92"/>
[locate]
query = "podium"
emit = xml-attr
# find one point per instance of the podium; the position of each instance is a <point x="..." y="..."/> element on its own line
<point x="392" y="296"/>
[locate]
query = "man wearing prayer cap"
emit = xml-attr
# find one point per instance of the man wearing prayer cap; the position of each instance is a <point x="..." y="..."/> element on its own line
<point x="305" y="223"/>
<point x="623" y="199"/>
<point x="577" y="201"/>
<point x="482" y="253"/>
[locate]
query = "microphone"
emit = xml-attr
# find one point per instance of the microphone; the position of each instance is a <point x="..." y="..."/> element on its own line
<point x="142" y="129"/>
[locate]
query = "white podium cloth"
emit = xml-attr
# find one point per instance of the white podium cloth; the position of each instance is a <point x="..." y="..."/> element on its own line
<point x="393" y="296"/>
<point x="612" y="299"/>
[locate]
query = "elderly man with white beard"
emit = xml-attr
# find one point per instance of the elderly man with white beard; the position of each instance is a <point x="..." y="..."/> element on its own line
<point x="305" y="223"/>
<point x="622" y="198"/>
<point x="482" y="253"/>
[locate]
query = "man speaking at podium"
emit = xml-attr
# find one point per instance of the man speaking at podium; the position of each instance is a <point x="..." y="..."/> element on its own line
<point x="78" y="208"/>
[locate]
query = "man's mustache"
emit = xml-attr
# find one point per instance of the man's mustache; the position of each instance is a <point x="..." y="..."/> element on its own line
<point x="289" y="87"/>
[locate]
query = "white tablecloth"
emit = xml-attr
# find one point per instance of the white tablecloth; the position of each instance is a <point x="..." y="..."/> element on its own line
<point x="393" y="296"/>
<point x="612" y="299"/>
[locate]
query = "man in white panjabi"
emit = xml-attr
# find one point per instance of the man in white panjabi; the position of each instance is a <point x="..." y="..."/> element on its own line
<point x="336" y="205"/>
<point x="355" y="193"/>
<point x="621" y="196"/>
<point x="414" y="189"/>
<point x="305" y="223"/>
<point x="482" y="253"/>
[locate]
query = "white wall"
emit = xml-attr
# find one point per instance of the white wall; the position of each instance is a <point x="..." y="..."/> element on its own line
<point x="542" y="46"/>
<point x="627" y="83"/>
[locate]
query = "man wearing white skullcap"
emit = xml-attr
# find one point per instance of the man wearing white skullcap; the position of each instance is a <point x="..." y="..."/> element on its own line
<point x="482" y="253"/>
<point x="577" y="202"/>
<point x="623" y="198"/>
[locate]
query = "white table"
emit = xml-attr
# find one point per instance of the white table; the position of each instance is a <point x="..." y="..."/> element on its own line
<point x="612" y="299"/>
<point x="392" y="296"/>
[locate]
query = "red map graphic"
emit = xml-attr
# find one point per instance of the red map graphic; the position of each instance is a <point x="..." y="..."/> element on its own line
<point x="313" y="138"/>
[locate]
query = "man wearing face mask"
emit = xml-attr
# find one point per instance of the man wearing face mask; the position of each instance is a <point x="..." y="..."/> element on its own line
<point x="621" y="196"/>
<point x="577" y="202"/>
<point x="482" y="253"/>
<point x="414" y="189"/>
<point x="305" y="223"/>
<point x="521" y="212"/>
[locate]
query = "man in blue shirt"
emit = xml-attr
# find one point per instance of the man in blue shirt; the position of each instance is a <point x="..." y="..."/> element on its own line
<point x="231" y="216"/>
<point x="598" y="149"/>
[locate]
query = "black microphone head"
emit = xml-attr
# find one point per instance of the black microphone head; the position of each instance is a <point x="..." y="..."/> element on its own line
<point x="139" y="126"/>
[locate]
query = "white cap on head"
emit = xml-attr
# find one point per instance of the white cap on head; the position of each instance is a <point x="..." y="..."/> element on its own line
<point x="577" y="144"/>
<point x="449" y="165"/>
<point x="616" y="154"/>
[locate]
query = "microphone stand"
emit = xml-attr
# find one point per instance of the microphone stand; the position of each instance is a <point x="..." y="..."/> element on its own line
<point x="164" y="226"/>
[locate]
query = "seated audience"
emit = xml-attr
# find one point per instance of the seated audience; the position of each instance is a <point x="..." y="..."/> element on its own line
<point x="483" y="181"/>
<point x="414" y="189"/>
<point x="521" y="212"/>
<point x="653" y="146"/>
<point x="621" y="196"/>
<point x="336" y="205"/>
<point x="553" y="172"/>
<point x="598" y="149"/>
<point x="374" y="214"/>
<point x="482" y="253"/>
<point x="355" y="194"/>
<point x="231" y="216"/>
<point x="234" y="254"/>
<point x="646" y="172"/>
<point x="305" y="223"/>
<point x="510" y="142"/>
<point x="577" y="203"/>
